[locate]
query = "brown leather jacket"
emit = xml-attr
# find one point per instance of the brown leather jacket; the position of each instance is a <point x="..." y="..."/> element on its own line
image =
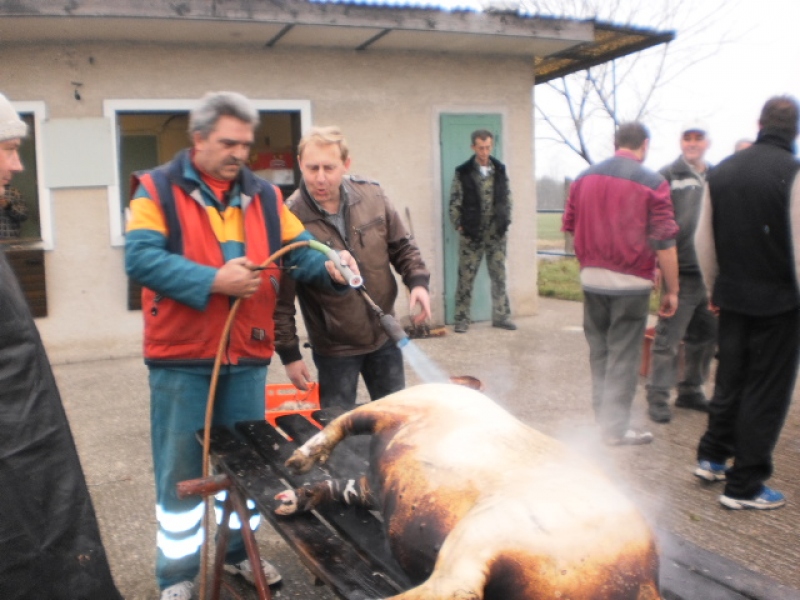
<point x="343" y="324"/>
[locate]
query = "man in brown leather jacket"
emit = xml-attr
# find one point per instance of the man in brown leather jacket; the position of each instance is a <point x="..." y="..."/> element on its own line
<point x="347" y="212"/>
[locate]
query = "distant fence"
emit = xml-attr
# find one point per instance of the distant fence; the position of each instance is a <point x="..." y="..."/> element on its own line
<point x="551" y="241"/>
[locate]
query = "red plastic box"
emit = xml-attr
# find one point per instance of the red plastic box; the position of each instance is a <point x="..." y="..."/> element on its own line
<point x="285" y="399"/>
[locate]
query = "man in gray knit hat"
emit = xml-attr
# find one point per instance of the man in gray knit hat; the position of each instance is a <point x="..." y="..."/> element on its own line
<point x="49" y="540"/>
<point x="12" y="130"/>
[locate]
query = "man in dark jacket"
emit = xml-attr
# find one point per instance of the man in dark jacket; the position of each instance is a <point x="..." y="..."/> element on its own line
<point x="621" y="217"/>
<point x="748" y="245"/>
<point x="693" y="322"/>
<point x="50" y="544"/>
<point x="346" y="335"/>
<point x="480" y="209"/>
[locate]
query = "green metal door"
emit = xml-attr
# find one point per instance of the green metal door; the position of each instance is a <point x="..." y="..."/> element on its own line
<point x="455" y="148"/>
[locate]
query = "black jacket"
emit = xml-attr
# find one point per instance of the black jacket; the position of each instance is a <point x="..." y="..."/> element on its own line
<point x="471" y="213"/>
<point x="750" y="198"/>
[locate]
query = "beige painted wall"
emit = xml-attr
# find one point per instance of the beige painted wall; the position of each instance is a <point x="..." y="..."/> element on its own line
<point x="387" y="104"/>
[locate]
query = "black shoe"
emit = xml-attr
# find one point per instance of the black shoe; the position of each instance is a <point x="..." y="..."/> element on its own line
<point x="659" y="411"/>
<point x="507" y="324"/>
<point x="461" y="326"/>
<point x="693" y="401"/>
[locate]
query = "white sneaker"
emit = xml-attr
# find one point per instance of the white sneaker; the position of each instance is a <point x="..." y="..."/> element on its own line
<point x="179" y="591"/>
<point x="245" y="570"/>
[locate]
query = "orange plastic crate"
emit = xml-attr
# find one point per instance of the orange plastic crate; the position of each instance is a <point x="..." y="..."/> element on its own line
<point x="285" y="399"/>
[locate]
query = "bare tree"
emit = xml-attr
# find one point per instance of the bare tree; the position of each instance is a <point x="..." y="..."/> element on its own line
<point x="582" y="109"/>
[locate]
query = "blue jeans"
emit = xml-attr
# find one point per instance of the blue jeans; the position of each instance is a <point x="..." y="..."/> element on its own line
<point x="177" y="412"/>
<point x="381" y="369"/>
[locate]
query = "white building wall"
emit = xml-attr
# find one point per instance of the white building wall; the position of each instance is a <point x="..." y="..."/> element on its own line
<point x="387" y="104"/>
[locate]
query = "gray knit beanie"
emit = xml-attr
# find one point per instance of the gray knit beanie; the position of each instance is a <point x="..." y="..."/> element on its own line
<point x="11" y="126"/>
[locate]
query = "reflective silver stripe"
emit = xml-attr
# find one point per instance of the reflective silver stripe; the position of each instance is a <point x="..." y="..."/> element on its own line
<point x="234" y="522"/>
<point x="177" y="549"/>
<point x="178" y="522"/>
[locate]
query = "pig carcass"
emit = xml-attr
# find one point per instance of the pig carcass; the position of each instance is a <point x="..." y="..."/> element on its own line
<point x="477" y="505"/>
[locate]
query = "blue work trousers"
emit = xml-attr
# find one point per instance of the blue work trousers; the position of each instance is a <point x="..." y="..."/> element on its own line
<point x="177" y="412"/>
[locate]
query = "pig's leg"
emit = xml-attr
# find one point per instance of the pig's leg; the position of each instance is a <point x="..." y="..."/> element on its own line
<point x="352" y="492"/>
<point x="367" y="419"/>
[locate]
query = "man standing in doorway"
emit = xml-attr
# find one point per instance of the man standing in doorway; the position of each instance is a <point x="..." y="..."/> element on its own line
<point x="200" y="227"/>
<point x="693" y="322"/>
<point x="620" y="215"/>
<point x="480" y="209"/>
<point x="748" y="244"/>
<point x="346" y="335"/>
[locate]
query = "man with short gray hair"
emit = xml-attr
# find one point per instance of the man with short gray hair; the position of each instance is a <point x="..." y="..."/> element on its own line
<point x="201" y="227"/>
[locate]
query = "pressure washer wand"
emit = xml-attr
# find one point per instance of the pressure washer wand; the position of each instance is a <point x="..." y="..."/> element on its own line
<point x="388" y="322"/>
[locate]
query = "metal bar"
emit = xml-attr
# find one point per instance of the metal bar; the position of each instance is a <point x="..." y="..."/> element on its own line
<point x="240" y="506"/>
<point x="271" y="43"/>
<point x="223" y="535"/>
<point x="373" y="39"/>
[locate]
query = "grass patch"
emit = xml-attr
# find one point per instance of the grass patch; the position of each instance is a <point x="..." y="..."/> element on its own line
<point x="560" y="278"/>
<point x="549" y="227"/>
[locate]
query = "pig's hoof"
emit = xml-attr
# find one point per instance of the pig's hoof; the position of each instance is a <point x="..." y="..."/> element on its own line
<point x="288" y="503"/>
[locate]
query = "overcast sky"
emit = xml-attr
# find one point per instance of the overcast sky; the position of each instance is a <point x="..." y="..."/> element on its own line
<point x="726" y="90"/>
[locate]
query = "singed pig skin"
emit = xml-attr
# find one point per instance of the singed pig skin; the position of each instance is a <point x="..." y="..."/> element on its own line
<point x="478" y="505"/>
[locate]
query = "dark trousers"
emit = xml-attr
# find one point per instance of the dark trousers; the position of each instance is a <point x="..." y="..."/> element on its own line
<point x="382" y="371"/>
<point x="614" y="328"/>
<point x="693" y="323"/>
<point x="755" y="380"/>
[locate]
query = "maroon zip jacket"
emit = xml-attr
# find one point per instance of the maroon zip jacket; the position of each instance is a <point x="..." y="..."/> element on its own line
<point x="620" y="213"/>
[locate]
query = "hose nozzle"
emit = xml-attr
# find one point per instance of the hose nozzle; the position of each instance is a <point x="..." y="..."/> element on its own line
<point x="393" y="329"/>
<point x="353" y="280"/>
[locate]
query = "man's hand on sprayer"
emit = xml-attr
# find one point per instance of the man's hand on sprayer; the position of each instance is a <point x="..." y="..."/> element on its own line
<point x="419" y="297"/>
<point x="348" y="261"/>
<point x="237" y="277"/>
<point x="298" y="374"/>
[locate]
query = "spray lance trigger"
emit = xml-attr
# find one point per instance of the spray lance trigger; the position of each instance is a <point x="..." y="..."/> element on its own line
<point x="353" y="280"/>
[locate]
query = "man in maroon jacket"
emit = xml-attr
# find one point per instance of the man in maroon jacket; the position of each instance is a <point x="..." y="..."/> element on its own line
<point x="621" y="217"/>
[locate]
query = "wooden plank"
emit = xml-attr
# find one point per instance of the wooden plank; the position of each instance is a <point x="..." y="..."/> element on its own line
<point x="359" y="526"/>
<point x="689" y="572"/>
<point x="334" y="561"/>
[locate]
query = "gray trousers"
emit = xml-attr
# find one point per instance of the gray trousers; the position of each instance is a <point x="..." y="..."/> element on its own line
<point x="614" y="328"/>
<point x="697" y="327"/>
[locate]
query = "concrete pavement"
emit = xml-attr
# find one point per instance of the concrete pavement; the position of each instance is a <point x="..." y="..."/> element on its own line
<point x="540" y="373"/>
